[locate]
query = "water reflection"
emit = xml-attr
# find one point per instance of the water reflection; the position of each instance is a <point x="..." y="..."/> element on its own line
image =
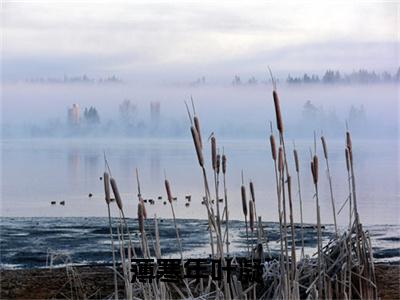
<point x="70" y="170"/>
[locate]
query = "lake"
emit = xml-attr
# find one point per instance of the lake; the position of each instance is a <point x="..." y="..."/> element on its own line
<point x="38" y="171"/>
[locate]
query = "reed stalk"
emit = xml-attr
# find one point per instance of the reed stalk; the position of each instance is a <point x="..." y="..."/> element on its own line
<point x="314" y="171"/>
<point x="253" y="198"/>
<point x="106" y="180"/>
<point x="224" y="162"/>
<point x="214" y="159"/>
<point x="251" y="221"/>
<point x="293" y="262"/>
<point x="354" y="198"/>
<point x="297" y="166"/>
<point x="169" y="195"/>
<point x="244" y="208"/>
<point x="281" y="170"/>
<point x="196" y="135"/>
<point x="278" y="193"/>
<point x="118" y="200"/>
<point x="325" y="148"/>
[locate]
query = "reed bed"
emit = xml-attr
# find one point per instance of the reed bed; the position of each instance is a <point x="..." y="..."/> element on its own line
<point x="342" y="268"/>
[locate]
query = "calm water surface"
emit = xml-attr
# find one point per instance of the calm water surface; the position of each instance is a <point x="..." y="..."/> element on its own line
<point x="38" y="171"/>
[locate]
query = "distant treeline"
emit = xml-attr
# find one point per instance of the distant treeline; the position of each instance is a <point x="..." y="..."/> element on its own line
<point x="330" y="77"/>
<point x="360" y="76"/>
<point x="74" y="79"/>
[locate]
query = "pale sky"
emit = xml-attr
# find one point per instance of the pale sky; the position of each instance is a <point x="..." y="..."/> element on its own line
<point x="180" y="39"/>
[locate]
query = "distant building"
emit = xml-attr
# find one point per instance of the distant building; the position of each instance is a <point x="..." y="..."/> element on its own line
<point x="154" y="112"/>
<point x="74" y="115"/>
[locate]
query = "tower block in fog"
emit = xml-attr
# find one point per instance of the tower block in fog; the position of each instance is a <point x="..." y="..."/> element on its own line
<point x="74" y="115"/>
<point x="155" y="113"/>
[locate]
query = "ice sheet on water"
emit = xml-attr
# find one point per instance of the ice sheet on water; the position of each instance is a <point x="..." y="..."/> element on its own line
<point x="25" y="242"/>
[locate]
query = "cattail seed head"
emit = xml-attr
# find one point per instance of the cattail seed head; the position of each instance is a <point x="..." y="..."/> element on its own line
<point x="224" y="163"/>
<point x="106" y="179"/>
<point x="296" y="160"/>
<point x="280" y="160"/>
<point x="116" y="193"/>
<point x="347" y="159"/>
<point x="144" y="207"/>
<point x="140" y="217"/>
<point x="312" y="170"/>
<point x="348" y="141"/>
<point x="197" y="126"/>
<point x="279" y="121"/>
<point x="218" y="163"/>
<point x="350" y="156"/>
<point x="253" y="197"/>
<point x="273" y="146"/>
<point x="289" y="184"/>
<point x="244" y="203"/>
<point x="251" y="215"/>
<point x="214" y="153"/>
<point x="168" y="189"/>
<point x="325" y="147"/>
<point x="197" y="145"/>
<point x="315" y="165"/>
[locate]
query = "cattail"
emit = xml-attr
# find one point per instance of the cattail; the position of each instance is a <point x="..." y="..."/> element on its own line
<point x="106" y="179"/>
<point x="296" y="160"/>
<point x="223" y="163"/>
<point x="252" y="192"/>
<point x="197" y="145"/>
<point x="315" y="165"/>
<point x="197" y="126"/>
<point x="251" y="215"/>
<point x="324" y="147"/>
<point x="140" y="217"/>
<point x="244" y="204"/>
<point x="214" y="153"/>
<point x="350" y="156"/>
<point x="347" y="159"/>
<point x="289" y="184"/>
<point x="279" y="122"/>
<point x="116" y="193"/>
<point x="273" y="146"/>
<point x="280" y="160"/>
<point x="144" y="207"/>
<point x="348" y="141"/>
<point x="168" y="189"/>
<point x="312" y="170"/>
